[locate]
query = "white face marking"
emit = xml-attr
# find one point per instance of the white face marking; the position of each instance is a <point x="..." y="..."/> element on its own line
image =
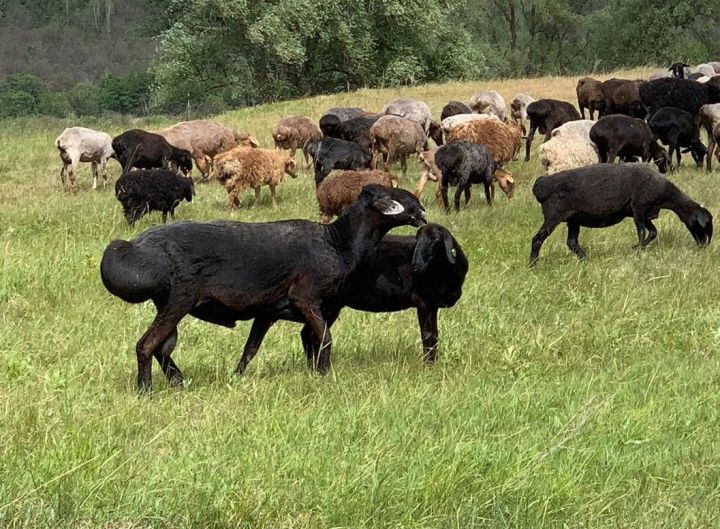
<point x="392" y="207"/>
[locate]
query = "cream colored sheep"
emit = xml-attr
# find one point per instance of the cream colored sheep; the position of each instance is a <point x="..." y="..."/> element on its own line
<point x="78" y="144"/>
<point x="489" y="102"/>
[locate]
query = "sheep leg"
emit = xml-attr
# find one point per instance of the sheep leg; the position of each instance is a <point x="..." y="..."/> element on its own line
<point x="458" y="193"/>
<point x="259" y="329"/>
<point x="63" y="173"/>
<point x="162" y="355"/>
<point x="711" y="149"/>
<point x="315" y="319"/>
<point x="390" y="157"/>
<point x="421" y="184"/>
<point x="677" y="150"/>
<point x="468" y="194"/>
<point x="427" y="318"/>
<point x="94" y="167"/>
<point x="572" y="240"/>
<point x="311" y="345"/>
<point x="652" y="231"/>
<point x="488" y="192"/>
<point x="582" y="111"/>
<point x="257" y="196"/>
<point x="103" y="171"/>
<point x="71" y="174"/>
<point x="272" y="195"/>
<point x="403" y="165"/>
<point x="529" y="140"/>
<point x="160" y="330"/>
<point x="543" y="233"/>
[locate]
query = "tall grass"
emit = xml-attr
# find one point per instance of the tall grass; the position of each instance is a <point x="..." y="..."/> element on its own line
<point x="577" y="394"/>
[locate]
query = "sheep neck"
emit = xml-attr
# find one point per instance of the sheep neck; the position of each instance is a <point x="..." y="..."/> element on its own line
<point x="356" y="233"/>
<point x="679" y="203"/>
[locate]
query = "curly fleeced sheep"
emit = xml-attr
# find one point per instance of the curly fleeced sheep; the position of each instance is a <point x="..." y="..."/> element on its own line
<point x="294" y="132"/>
<point x="393" y="136"/>
<point x="503" y="140"/>
<point x="146" y="190"/>
<point x="337" y="192"/>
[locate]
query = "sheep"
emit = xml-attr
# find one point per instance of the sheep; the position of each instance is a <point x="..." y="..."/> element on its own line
<point x="146" y="150"/>
<point x="709" y="119"/>
<point x="560" y="153"/>
<point x="451" y="122"/>
<point x="677" y="128"/>
<point x="518" y="110"/>
<point x="715" y="66"/>
<point x="345" y="113"/>
<point x="622" y="96"/>
<point x="679" y="70"/>
<point x="502" y="139"/>
<point x="331" y="121"/>
<point x="463" y="163"/>
<point x="705" y="69"/>
<point x="488" y="102"/>
<point x="205" y="140"/>
<point x="430" y="170"/>
<point x="218" y="272"/>
<point x="425" y="271"/>
<point x="627" y="137"/>
<point x="337" y="193"/>
<point x="546" y="115"/>
<point x="679" y="93"/>
<point x="244" y="167"/>
<point x="659" y="75"/>
<point x="697" y="76"/>
<point x="78" y="144"/>
<point x="453" y="108"/>
<point x="293" y="133"/>
<point x="602" y="195"/>
<point x="331" y="153"/>
<point x="358" y="130"/>
<point x="574" y="129"/>
<point x="396" y="136"/>
<point x="590" y="95"/>
<point x="716" y="139"/>
<point x="411" y="109"/>
<point x="146" y="190"/>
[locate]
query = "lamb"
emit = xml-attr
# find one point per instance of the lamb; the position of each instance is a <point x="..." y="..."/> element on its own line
<point x="396" y="136"/>
<point x="204" y="140"/>
<point x="503" y="140"/>
<point x="602" y="195"/>
<point x="146" y="150"/>
<point x="590" y="95"/>
<point x="244" y="167"/>
<point x="331" y="153"/>
<point x="453" y="108"/>
<point x="709" y="119"/>
<point x="546" y="115"/>
<point x="293" y="133"/>
<point x="488" y="102"/>
<point x="218" y="272"/>
<point x="451" y="122"/>
<point x="569" y="147"/>
<point x="677" y="128"/>
<point x="628" y="138"/>
<point x="622" y="96"/>
<point x="337" y="193"/>
<point x="463" y="163"/>
<point x="425" y="272"/>
<point x="518" y="110"/>
<point x="146" y="190"/>
<point x="78" y="144"/>
<point x="679" y="93"/>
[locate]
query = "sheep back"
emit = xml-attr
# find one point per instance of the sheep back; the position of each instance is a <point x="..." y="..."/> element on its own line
<point x="502" y="140"/>
<point x="294" y="132"/>
<point x="337" y="192"/>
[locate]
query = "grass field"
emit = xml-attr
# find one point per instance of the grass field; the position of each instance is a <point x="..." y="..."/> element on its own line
<point x="577" y="394"/>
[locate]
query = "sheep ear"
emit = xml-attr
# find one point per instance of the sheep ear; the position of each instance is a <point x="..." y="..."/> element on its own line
<point x="450" y="251"/>
<point x="388" y="206"/>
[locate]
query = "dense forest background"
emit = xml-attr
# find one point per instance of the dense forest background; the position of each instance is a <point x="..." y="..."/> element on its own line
<point x="86" y="57"/>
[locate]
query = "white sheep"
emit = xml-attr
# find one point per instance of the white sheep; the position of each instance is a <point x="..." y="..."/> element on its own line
<point x="569" y="147"/>
<point x="488" y="102"/>
<point x="78" y="144"/>
<point x="706" y="69"/>
<point x="411" y="109"/>
<point x="451" y="122"/>
<point x="574" y="129"/>
<point x="709" y="119"/>
<point x="716" y="67"/>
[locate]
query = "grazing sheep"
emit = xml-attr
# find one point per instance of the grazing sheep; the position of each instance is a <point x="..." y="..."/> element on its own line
<point x="574" y="129"/>
<point x="453" y="108"/>
<point x="518" y="110"/>
<point x="146" y="150"/>
<point x="332" y="153"/>
<point x="345" y="113"/>
<point x="488" y="102"/>
<point x="451" y="122"/>
<point x="146" y="190"/>
<point x="715" y="66"/>
<point x="679" y="93"/>
<point x="462" y="164"/>
<point x="204" y="140"/>
<point x="590" y="95"/>
<point x="705" y="69"/>
<point x="716" y="139"/>
<point x="677" y="128"/>
<point x="425" y="271"/>
<point x="628" y="138"/>
<point x="293" y="133"/>
<point x="394" y="136"/>
<point x="561" y="153"/>
<point x="709" y="119"/>
<point x="243" y="167"/>
<point x="331" y="121"/>
<point x="602" y="195"/>
<point x="622" y="96"/>
<point x="78" y="144"/>
<point x="430" y="170"/>
<point x="502" y="139"/>
<point x="546" y="115"/>
<point x="411" y="109"/>
<point x="221" y="272"/>
<point x="338" y="192"/>
<point x="660" y="75"/>
<point x="358" y="130"/>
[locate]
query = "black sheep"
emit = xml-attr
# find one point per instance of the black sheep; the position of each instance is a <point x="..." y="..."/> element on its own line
<point x="678" y="69"/>
<point x="224" y="271"/>
<point x="146" y="190"/>
<point x="546" y="115"/>
<point x="453" y="108"/>
<point x="332" y="153"/>
<point x="358" y="130"/>
<point x="146" y="150"/>
<point x="677" y="128"/>
<point x="463" y="163"/>
<point x="627" y="138"/>
<point x="602" y="195"/>
<point x="679" y="93"/>
<point x="425" y="272"/>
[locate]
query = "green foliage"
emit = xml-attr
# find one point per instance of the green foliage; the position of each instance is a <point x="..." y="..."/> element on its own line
<point x="22" y="95"/>
<point x="127" y="95"/>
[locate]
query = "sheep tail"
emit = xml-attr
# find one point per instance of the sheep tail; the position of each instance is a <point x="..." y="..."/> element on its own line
<point x="132" y="273"/>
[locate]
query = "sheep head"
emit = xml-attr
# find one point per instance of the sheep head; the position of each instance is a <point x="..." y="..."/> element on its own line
<point x="506" y="181"/>
<point x="291" y="167"/>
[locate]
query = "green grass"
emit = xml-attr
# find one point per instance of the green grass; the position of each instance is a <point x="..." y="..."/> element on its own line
<point x="578" y="394"/>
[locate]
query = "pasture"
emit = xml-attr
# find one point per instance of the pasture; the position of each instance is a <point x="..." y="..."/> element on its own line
<point x="577" y="394"/>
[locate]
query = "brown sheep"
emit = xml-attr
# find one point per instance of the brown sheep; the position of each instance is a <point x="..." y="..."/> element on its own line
<point x="337" y="192"/>
<point x="244" y="167"/>
<point x="395" y="136"/>
<point x="205" y="140"/>
<point x="294" y="132"/>
<point x="502" y="139"/>
<point x="590" y="95"/>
